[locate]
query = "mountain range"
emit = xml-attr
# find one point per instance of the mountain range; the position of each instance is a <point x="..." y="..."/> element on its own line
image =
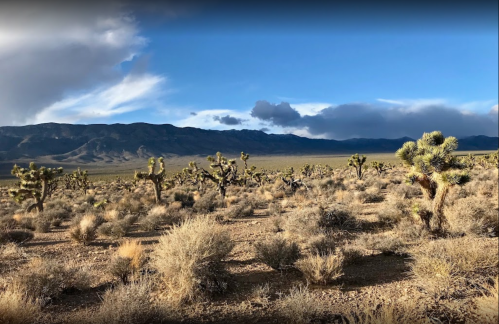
<point x="125" y="142"/>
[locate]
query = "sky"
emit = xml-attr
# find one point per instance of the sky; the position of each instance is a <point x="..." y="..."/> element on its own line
<point x="332" y="70"/>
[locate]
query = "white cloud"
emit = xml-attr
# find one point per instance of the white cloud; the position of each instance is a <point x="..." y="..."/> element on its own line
<point x="50" y="50"/>
<point x="310" y="108"/>
<point x="132" y="93"/>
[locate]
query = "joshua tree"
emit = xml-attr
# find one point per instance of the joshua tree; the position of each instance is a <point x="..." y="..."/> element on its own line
<point x="289" y="179"/>
<point x="469" y="161"/>
<point x="195" y="174"/>
<point x="34" y="183"/>
<point x="434" y="167"/>
<point x="224" y="173"/>
<point x="320" y="171"/>
<point x="258" y="176"/>
<point x="357" y="162"/>
<point x="244" y="158"/>
<point x="156" y="178"/>
<point x="494" y="159"/>
<point x="307" y="170"/>
<point x="380" y="167"/>
<point x="77" y="180"/>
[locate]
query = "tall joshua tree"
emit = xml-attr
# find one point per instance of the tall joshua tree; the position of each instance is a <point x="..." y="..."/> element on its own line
<point x="156" y="178"/>
<point x="34" y="183"/>
<point x="434" y="168"/>
<point x="357" y="162"/>
<point x="224" y="172"/>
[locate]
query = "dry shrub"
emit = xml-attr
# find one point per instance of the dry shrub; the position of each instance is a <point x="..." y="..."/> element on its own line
<point x="207" y="203"/>
<point x="486" y="306"/>
<point x="15" y="236"/>
<point x="126" y="304"/>
<point x="189" y="259"/>
<point x="370" y="195"/>
<point x="11" y="251"/>
<point x="381" y="312"/>
<point x="17" y="308"/>
<point x="455" y="267"/>
<point x="299" y="306"/>
<point x="45" y="278"/>
<point x="473" y="216"/>
<point x="410" y="232"/>
<point x="118" y="228"/>
<point x="186" y="198"/>
<point x="352" y="253"/>
<point x="321" y="269"/>
<point x="149" y="223"/>
<point x="322" y="244"/>
<point x="277" y="253"/>
<point x="84" y="228"/>
<point x="129" y="259"/>
<point x="406" y="191"/>
<point x="344" y="196"/>
<point x="385" y="243"/>
<point x="394" y="210"/>
<point x="35" y="222"/>
<point x="242" y="209"/>
<point x="111" y="215"/>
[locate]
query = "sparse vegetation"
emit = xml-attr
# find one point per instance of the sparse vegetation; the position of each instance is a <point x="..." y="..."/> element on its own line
<point x="359" y="243"/>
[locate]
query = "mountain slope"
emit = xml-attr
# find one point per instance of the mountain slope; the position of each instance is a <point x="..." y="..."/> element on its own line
<point x="123" y="142"/>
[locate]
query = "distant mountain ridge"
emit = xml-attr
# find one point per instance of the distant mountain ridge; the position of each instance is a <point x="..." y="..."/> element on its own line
<point x="124" y="142"/>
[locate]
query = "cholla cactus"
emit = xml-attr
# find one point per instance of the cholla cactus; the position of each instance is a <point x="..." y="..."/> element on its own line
<point x="357" y="162"/>
<point x="156" y="178"/>
<point x="434" y="167"/>
<point x="34" y="183"/>
<point x="380" y="167"/>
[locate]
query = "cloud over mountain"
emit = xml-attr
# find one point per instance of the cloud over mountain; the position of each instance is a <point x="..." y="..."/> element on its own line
<point x="374" y="121"/>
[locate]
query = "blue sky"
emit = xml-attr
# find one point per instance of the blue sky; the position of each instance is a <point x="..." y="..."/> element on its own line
<point x="223" y="66"/>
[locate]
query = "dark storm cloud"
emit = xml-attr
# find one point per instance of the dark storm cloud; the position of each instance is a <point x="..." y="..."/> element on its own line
<point x="265" y="130"/>
<point x="371" y="121"/>
<point x="280" y="115"/>
<point x="228" y="120"/>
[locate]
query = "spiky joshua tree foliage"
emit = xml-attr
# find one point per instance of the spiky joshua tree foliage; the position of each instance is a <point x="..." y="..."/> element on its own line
<point x="156" y="178"/>
<point x="224" y="172"/>
<point x="380" y="167"/>
<point x="434" y="168"/>
<point x="357" y="162"/>
<point x="78" y="180"/>
<point x="35" y="183"/>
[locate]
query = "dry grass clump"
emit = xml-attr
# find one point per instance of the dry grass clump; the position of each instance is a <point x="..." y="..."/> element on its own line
<point x="129" y="259"/>
<point x="241" y="209"/>
<point x="298" y="306"/>
<point x="112" y="215"/>
<point x="84" y="228"/>
<point x="17" y="308"/>
<point x="189" y="259"/>
<point x="322" y="244"/>
<point x="371" y="195"/>
<point x="385" y="243"/>
<point x="405" y="191"/>
<point x="322" y="269"/>
<point x="455" y="267"/>
<point x="186" y="198"/>
<point x="473" y="216"/>
<point x="45" y="278"/>
<point x="206" y="203"/>
<point x="15" y="236"/>
<point x="278" y="253"/>
<point x="381" y="312"/>
<point x="394" y="210"/>
<point x="35" y="222"/>
<point x="118" y="228"/>
<point x="410" y="231"/>
<point x="126" y="304"/>
<point x="486" y="308"/>
<point x="11" y="251"/>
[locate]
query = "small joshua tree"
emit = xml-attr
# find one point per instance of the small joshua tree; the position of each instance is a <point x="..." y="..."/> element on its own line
<point x="357" y="162"/>
<point x="433" y="167"/>
<point x="469" y="161"/>
<point x="156" y="178"/>
<point x="34" y="183"/>
<point x="307" y="170"/>
<point x="78" y="180"/>
<point x="224" y="173"/>
<point x="380" y="167"/>
<point x="287" y="176"/>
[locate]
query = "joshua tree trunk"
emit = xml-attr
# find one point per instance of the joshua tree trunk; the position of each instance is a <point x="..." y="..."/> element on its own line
<point x="428" y="188"/>
<point x="157" y="192"/>
<point x="438" y="205"/>
<point x="39" y="200"/>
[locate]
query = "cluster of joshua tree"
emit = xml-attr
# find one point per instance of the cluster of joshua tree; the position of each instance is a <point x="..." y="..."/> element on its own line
<point x="430" y="160"/>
